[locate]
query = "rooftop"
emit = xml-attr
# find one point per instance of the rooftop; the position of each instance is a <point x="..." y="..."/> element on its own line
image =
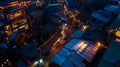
<point x="30" y="51"/>
<point x="102" y="15"/>
<point x="114" y="8"/>
<point x="73" y="53"/>
<point x="111" y="56"/>
<point x="116" y="23"/>
<point x="78" y="34"/>
<point x="10" y="9"/>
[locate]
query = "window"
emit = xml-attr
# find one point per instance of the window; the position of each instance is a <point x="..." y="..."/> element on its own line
<point x="8" y="30"/>
<point x="16" y="14"/>
<point x="19" y="22"/>
<point x="14" y="24"/>
<point x="24" y="26"/>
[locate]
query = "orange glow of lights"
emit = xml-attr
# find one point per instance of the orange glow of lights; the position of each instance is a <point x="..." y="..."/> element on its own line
<point x="80" y="44"/>
<point x="15" y="3"/>
<point x="7" y="60"/>
<point x="2" y="7"/>
<point x="82" y="47"/>
<point x="98" y="44"/>
<point x="85" y="27"/>
<point x="117" y="33"/>
<point x="2" y="65"/>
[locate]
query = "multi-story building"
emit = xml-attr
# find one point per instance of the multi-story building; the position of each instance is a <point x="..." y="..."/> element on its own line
<point x="13" y="17"/>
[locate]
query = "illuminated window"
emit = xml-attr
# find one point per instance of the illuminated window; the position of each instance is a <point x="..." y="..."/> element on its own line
<point x="24" y="20"/>
<point x="19" y="22"/>
<point x="18" y="13"/>
<point x="8" y="30"/>
<point x="14" y="24"/>
<point x="24" y="26"/>
<point x="15" y="14"/>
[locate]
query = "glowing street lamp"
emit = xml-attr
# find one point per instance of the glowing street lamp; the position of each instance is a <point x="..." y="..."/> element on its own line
<point x="41" y="60"/>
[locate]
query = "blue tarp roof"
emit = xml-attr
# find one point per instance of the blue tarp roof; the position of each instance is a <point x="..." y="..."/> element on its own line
<point x="53" y="5"/>
<point x="101" y="15"/>
<point x="72" y="43"/>
<point x="78" y="34"/>
<point x="114" y="8"/>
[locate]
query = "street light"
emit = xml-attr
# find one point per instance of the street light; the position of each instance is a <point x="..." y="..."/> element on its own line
<point x="41" y="60"/>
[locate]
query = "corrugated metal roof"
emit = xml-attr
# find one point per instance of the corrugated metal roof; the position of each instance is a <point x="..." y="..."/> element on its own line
<point x="111" y="56"/>
<point x="67" y="57"/>
<point x="116" y="23"/>
<point x="78" y="34"/>
<point x="72" y="43"/>
<point x="102" y="15"/>
<point x="114" y="8"/>
<point x="112" y="53"/>
<point x="104" y="63"/>
<point x="70" y="56"/>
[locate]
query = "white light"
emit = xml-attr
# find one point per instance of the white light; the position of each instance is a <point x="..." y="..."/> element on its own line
<point x="41" y="61"/>
<point x="36" y="63"/>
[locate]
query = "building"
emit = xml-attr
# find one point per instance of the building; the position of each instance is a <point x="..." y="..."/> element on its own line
<point x="30" y="53"/>
<point x="111" y="57"/>
<point x="75" y="53"/>
<point x="112" y="8"/>
<point x="103" y="17"/>
<point x="78" y="34"/>
<point x="14" y="16"/>
<point x="115" y="26"/>
<point x="95" y="36"/>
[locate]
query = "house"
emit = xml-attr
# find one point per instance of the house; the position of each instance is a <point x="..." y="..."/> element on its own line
<point x="78" y="34"/>
<point x="112" y="8"/>
<point x="13" y="16"/>
<point x="115" y="26"/>
<point x="95" y="36"/>
<point x="74" y="52"/>
<point x="111" y="58"/>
